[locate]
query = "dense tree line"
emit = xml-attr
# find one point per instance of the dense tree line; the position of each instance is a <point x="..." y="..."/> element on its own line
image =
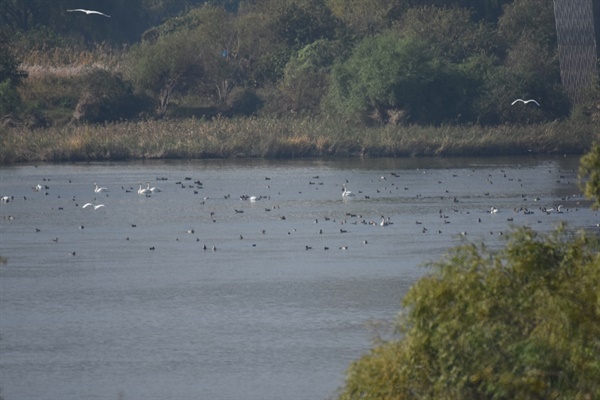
<point x="366" y="61"/>
<point x="132" y="17"/>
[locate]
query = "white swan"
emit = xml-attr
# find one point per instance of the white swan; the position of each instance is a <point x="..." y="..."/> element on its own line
<point x="152" y="189"/>
<point x="347" y="193"/>
<point x="493" y="210"/>
<point x="557" y="210"/>
<point x="143" y="190"/>
<point x="88" y="12"/>
<point x="99" y="189"/>
<point x="524" y="102"/>
<point x="95" y="206"/>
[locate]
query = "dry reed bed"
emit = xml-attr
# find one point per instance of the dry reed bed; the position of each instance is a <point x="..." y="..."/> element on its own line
<point x="275" y="138"/>
<point x="38" y="60"/>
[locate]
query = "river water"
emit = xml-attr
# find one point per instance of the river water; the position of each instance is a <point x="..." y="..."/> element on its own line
<point x="124" y="302"/>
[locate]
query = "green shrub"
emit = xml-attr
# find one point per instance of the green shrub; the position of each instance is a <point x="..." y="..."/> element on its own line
<point x="11" y="77"/>
<point x="105" y="96"/>
<point x="9" y="98"/>
<point x="522" y="322"/>
<point x="242" y="101"/>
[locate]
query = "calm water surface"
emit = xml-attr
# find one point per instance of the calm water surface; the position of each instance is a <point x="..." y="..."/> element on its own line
<point x="279" y="310"/>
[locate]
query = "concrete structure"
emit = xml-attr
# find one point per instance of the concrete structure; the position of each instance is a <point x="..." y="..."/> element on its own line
<point x="578" y="32"/>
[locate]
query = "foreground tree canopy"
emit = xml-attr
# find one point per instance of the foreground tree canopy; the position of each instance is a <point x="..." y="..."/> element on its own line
<point x="589" y="171"/>
<point x="522" y="322"/>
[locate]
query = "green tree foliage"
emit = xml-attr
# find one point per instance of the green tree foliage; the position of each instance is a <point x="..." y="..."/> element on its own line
<point x="217" y="51"/>
<point x="23" y="14"/>
<point x="412" y="70"/>
<point x="530" y="67"/>
<point x="10" y="78"/>
<point x="532" y="19"/>
<point x="224" y="52"/>
<point x="519" y="322"/>
<point x="298" y="23"/>
<point x="449" y="31"/>
<point x="107" y="97"/>
<point x="365" y="17"/>
<point x="305" y="78"/>
<point x="165" y="67"/>
<point x="410" y="61"/>
<point x="261" y="55"/>
<point x="383" y="73"/>
<point x="589" y="171"/>
<point x="129" y="18"/>
<point x="487" y="10"/>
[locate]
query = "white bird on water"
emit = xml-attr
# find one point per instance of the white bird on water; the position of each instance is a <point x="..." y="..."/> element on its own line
<point x="347" y="193"/>
<point x="152" y="189"/>
<point x="143" y="190"/>
<point x="95" y="206"/>
<point x="88" y="12"/>
<point x="524" y="102"/>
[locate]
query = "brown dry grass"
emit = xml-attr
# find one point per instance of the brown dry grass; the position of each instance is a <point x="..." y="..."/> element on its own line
<point x="277" y="138"/>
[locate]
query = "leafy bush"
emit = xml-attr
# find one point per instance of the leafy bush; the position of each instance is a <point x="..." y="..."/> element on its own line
<point x="589" y="170"/>
<point x="9" y="98"/>
<point x="10" y="78"/>
<point x="389" y="73"/>
<point x="105" y="96"/>
<point x="164" y="67"/>
<point x="242" y="101"/>
<point x="305" y="77"/>
<point x="519" y="322"/>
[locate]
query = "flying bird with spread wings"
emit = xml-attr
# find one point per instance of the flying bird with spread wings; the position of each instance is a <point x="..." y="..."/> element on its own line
<point x="524" y="102"/>
<point x="88" y="12"/>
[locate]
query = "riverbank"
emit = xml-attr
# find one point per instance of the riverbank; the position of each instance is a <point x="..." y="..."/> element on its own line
<point x="289" y="138"/>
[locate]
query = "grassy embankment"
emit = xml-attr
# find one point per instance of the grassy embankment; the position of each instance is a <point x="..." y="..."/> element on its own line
<point x="285" y="138"/>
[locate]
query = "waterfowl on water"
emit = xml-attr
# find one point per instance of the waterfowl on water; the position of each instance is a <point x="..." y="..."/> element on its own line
<point x="347" y="193"/>
<point x="152" y="189"/>
<point x="143" y="190"/>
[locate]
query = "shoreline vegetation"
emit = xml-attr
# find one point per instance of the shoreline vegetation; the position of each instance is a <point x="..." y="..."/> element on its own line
<point x="286" y="138"/>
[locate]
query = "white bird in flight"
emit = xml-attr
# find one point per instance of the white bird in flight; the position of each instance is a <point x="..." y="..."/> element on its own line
<point x="95" y="206"/>
<point x="88" y="12"/>
<point x="99" y="189"/>
<point x="524" y="101"/>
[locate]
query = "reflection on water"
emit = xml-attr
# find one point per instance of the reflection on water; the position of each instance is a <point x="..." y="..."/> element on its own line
<point x="124" y="300"/>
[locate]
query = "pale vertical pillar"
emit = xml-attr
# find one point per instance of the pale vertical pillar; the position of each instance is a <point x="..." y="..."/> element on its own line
<point x="577" y="45"/>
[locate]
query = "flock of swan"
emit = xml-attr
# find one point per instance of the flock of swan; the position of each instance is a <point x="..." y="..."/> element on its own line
<point x="148" y="190"/>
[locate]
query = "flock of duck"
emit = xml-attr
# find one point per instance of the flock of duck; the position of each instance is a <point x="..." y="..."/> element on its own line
<point x="343" y="221"/>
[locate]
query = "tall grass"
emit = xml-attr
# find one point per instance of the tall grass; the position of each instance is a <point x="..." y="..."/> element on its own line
<point x="69" y="58"/>
<point x="284" y="138"/>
